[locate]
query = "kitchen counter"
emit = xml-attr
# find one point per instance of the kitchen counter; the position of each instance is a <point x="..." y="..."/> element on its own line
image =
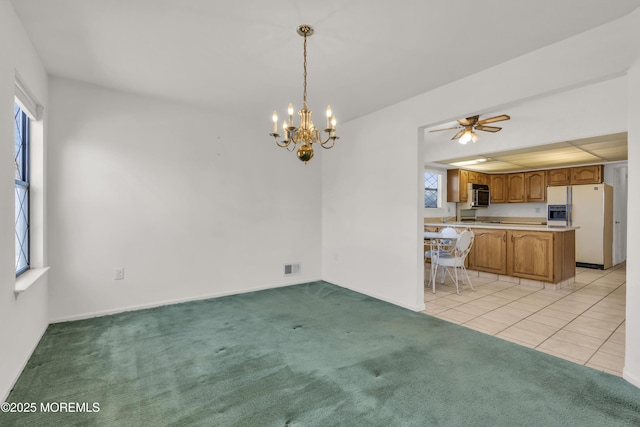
<point x="501" y="225"/>
<point x="520" y="250"/>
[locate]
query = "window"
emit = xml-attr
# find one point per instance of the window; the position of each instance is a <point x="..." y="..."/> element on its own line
<point x="22" y="178"/>
<point x="432" y="184"/>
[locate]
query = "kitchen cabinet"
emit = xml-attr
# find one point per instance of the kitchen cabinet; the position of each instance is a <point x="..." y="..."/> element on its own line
<point x="592" y="174"/>
<point x="489" y="251"/>
<point x="530" y="255"/>
<point x="538" y="254"/>
<point x="541" y="255"/>
<point x="457" y="183"/>
<point x="560" y="176"/>
<point x="536" y="186"/>
<point x="498" y="188"/>
<point x="476" y="177"/>
<point x="587" y="175"/>
<point x="516" y="185"/>
<point x="457" y="180"/>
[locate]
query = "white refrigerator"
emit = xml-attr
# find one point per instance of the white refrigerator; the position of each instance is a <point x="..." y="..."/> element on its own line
<point x="591" y="209"/>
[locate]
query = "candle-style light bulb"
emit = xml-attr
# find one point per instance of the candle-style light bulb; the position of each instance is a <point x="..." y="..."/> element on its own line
<point x="333" y="122"/>
<point x="328" y="116"/>
<point x="275" y="122"/>
<point x="290" y="111"/>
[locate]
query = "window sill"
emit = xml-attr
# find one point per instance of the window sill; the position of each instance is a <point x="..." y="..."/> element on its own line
<point x="29" y="278"/>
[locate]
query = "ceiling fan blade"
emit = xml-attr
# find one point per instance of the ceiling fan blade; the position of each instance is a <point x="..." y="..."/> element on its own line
<point x="487" y="128"/>
<point x="459" y="134"/>
<point x="469" y="121"/>
<point x="438" y="130"/>
<point x="493" y="119"/>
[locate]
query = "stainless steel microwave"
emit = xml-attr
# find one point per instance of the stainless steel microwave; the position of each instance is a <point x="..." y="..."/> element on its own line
<point x="479" y="196"/>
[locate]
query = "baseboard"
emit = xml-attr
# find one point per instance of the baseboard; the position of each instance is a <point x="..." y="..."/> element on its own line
<point x="590" y="265"/>
<point x="170" y="302"/>
<point x="632" y="378"/>
<point x="418" y="307"/>
<point x="4" y="394"/>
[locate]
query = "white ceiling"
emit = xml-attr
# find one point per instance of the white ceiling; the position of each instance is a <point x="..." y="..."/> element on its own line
<point x="245" y="58"/>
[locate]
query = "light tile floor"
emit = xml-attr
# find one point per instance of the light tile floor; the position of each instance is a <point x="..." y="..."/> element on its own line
<point x="583" y="322"/>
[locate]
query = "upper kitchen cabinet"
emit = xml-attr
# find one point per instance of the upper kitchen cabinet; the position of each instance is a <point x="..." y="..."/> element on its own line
<point x="477" y="178"/>
<point x="457" y="180"/>
<point x="457" y="183"/>
<point x="516" y="185"/>
<point x="560" y="176"/>
<point x="592" y="174"/>
<point x="536" y="186"/>
<point x="498" y="188"/>
<point x="587" y="174"/>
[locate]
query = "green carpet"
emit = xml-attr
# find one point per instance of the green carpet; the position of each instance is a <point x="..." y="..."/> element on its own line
<point x="311" y="354"/>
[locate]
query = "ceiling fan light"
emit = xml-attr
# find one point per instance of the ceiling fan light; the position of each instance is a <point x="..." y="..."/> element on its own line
<point x="466" y="137"/>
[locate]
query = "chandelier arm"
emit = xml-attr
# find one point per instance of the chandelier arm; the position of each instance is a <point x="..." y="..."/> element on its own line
<point x="330" y="137"/>
<point x="283" y="144"/>
<point x="333" y="142"/>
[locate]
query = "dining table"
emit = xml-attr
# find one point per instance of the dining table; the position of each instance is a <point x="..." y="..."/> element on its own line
<point x="438" y="242"/>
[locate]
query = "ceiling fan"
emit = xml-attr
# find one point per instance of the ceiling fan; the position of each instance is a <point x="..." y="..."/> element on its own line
<point x="467" y="126"/>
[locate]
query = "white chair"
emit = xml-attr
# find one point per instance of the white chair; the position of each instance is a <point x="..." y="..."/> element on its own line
<point x="441" y="245"/>
<point x="455" y="259"/>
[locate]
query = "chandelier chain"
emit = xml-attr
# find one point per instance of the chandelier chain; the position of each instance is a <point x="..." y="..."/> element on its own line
<point x="305" y="71"/>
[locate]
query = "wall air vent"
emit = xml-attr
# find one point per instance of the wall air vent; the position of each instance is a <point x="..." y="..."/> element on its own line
<point x="292" y="269"/>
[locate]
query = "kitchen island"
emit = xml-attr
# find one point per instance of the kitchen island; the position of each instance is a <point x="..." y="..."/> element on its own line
<point x="527" y="253"/>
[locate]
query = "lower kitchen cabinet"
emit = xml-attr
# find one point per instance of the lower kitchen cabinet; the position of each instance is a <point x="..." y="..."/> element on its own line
<point x="542" y="254"/>
<point x="546" y="256"/>
<point x="489" y="251"/>
<point x="530" y="255"/>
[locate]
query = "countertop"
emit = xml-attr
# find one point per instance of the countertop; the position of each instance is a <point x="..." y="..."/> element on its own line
<point x="501" y="226"/>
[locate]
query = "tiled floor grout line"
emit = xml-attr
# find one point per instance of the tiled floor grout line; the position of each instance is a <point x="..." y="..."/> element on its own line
<point x="613" y="332"/>
<point x="603" y="343"/>
<point x="490" y="311"/>
<point x="576" y="291"/>
<point x="574" y="319"/>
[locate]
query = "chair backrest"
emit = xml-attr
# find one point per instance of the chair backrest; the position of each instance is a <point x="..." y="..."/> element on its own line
<point x="463" y="244"/>
<point x="449" y="232"/>
<point x="445" y="243"/>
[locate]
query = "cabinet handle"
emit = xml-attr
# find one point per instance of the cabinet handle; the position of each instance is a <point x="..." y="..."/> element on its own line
<point x="504" y="237"/>
<point x="512" y="239"/>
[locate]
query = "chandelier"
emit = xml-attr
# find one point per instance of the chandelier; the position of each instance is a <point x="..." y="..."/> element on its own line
<point x="305" y="135"/>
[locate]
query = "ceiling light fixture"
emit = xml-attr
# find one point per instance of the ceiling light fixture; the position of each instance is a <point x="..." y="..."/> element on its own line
<point x="468" y="136"/>
<point x="306" y="134"/>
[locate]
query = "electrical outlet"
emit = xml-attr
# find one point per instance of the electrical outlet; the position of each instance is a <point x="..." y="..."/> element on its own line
<point x="118" y="273"/>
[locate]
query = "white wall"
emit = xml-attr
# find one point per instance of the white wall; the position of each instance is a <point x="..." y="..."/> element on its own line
<point x="191" y="203"/>
<point x="372" y="219"/>
<point x="632" y="351"/>
<point x="23" y="318"/>
<point x="586" y="111"/>
<point x="370" y="210"/>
